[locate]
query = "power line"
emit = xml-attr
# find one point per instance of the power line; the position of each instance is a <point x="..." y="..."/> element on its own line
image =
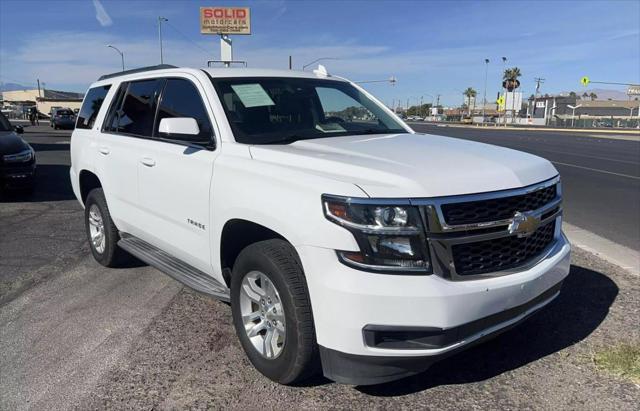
<point x="187" y="38"/>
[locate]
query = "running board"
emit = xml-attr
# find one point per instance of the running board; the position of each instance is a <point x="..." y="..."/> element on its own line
<point x="178" y="269"/>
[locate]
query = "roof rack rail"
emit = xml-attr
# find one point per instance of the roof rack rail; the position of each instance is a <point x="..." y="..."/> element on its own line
<point x="137" y="70"/>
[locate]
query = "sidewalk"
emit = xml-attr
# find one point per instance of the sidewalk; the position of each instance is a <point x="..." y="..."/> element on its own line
<point x="626" y="134"/>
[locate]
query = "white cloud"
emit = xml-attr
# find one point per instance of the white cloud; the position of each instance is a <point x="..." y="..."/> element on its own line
<point x="101" y="14"/>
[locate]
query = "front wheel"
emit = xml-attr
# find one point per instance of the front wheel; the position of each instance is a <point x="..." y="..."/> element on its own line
<point x="272" y="312"/>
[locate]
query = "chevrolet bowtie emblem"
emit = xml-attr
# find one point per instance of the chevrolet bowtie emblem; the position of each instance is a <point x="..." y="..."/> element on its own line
<point x="524" y="224"/>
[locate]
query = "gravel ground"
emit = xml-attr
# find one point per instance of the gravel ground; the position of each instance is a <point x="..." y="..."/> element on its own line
<point x="189" y="357"/>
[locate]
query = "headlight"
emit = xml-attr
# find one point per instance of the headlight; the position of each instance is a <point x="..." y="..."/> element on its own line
<point x="391" y="236"/>
<point x="21" y="157"/>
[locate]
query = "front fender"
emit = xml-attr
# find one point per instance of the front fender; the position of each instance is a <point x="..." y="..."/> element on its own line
<point x="284" y="200"/>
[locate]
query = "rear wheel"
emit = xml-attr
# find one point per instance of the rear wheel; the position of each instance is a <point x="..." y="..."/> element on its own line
<point x="101" y="231"/>
<point x="272" y="312"/>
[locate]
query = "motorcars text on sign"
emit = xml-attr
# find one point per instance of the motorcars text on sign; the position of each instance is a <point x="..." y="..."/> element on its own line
<point x="225" y="20"/>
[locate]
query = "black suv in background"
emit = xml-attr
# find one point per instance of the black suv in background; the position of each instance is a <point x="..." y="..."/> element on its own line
<point x="17" y="158"/>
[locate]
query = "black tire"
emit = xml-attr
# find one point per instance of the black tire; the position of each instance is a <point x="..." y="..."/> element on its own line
<point x="112" y="256"/>
<point x="278" y="260"/>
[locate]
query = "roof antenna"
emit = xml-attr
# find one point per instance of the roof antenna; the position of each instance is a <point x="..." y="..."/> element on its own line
<point x="321" y="71"/>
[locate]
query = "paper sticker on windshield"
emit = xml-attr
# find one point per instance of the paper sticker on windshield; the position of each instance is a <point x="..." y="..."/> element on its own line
<point x="252" y="95"/>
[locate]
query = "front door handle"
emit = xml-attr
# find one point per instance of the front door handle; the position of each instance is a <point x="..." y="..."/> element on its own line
<point x="104" y="150"/>
<point x="149" y="162"/>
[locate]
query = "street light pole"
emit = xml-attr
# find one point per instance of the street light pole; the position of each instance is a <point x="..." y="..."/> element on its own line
<point x="119" y="52"/>
<point x="160" y="20"/>
<point x="573" y="113"/>
<point x="484" y="98"/>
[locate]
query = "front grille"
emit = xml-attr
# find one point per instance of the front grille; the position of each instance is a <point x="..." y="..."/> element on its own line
<point x="501" y="253"/>
<point x="495" y="209"/>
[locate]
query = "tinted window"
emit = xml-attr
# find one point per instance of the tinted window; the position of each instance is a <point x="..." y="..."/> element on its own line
<point x="138" y="108"/>
<point x="180" y="98"/>
<point x="283" y="110"/>
<point x="91" y="106"/>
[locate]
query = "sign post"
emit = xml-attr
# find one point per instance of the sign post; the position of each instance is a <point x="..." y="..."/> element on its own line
<point x="224" y="21"/>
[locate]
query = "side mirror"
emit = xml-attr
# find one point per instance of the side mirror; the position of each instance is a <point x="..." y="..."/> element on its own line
<point x="19" y="129"/>
<point x="182" y="129"/>
<point x="176" y="126"/>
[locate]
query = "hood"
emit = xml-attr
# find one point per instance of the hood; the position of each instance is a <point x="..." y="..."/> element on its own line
<point x="11" y="143"/>
<point x="411" y="165"/>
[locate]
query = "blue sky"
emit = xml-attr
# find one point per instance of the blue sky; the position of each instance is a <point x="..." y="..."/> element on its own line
<point x="431" y="47"/>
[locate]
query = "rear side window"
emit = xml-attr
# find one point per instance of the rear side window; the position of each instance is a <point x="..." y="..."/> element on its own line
<point x="135" y="112"/>
<point x="91" y="106"/>
<point x="180" y="98"/>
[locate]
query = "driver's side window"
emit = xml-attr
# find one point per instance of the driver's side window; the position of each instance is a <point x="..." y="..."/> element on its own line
<point x="340" y="107"/>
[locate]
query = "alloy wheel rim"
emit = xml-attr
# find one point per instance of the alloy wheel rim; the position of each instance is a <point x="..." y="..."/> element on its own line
<point x="262" y="314"/>
<point x="96" y="229"/>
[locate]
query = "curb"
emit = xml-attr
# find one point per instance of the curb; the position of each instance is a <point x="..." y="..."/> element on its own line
<point x="633" y="133"/>
<point x="614" y="253"/>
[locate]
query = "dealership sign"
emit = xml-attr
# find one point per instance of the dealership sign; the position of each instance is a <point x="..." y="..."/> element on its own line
<point x="633" y="91"/>
<point x="225" y="20"/>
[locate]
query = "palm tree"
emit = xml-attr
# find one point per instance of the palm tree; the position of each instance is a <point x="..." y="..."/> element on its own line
<point x="585" y="95"/>
<point x="510" y="78"/>
<point x="593" y="96"/>
<point x="470" y="93"/>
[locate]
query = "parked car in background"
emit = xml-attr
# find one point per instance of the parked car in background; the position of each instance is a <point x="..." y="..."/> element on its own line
<point x="63" y="118"/>
<point x="17" y="158"/>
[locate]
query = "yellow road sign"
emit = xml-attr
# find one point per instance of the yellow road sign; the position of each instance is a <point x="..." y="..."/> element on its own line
<point x="500" y="101"/>
<point x="585" y="81"/>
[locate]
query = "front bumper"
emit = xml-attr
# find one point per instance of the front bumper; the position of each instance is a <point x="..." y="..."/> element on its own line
<point x="18" y="176"/>
<point x="347" y="303"/>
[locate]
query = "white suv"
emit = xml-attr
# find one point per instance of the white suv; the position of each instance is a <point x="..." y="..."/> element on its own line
<point x="343" y="240"/>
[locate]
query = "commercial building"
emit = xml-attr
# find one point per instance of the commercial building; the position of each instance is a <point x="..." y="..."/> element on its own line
<point x="559" y="110"/>
<point x="17" y="103"/>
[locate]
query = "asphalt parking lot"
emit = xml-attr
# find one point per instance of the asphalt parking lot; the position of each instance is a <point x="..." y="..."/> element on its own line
<point x="76" y="335"/>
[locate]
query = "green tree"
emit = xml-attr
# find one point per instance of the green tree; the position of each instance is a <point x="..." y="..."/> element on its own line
<point x="470" y="93"/>
<point x="593" y="96"/>
<point x="585" y="95"/>
<point x="512" y="73"/>
<point x="573" y="94"/>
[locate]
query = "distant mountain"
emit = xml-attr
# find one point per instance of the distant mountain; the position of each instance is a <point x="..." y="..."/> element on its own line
<point x="13" y="87"/>
<point x="603" y="94"/>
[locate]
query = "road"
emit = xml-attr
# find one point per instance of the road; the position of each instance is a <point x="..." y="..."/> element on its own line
<point x="600" y="174"/>
<point x="74" y="334"/>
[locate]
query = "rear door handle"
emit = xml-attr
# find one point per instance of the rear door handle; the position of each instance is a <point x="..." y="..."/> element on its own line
<point x="104" y="150"/>
<point x="149" y="162"/>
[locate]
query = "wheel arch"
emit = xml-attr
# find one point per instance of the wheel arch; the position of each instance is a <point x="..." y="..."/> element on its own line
<point x="236" y="235"/>
<point x="88" y="181"/>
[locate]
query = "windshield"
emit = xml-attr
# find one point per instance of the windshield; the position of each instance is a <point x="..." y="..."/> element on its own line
<point x="4" y="123"/>
<point x="283" y="110"/>
<point x="64" y="113"/>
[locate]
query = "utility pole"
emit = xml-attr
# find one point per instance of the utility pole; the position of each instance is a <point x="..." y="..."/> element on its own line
<point x="160" y="20"/>
<point x="438" y="100"/>
<point x="484" y="98"/>
<point x="504" y="68"/>
<point x="538" y="81"/>
<point x="290" y="63"/>
<point x="39" y="94"/>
